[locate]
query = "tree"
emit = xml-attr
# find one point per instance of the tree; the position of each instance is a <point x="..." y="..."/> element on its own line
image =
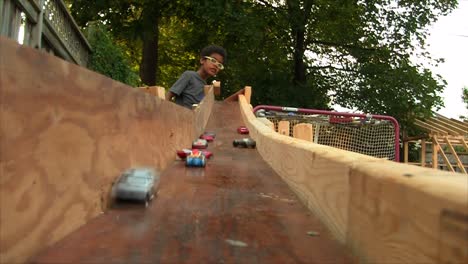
<point x="108" y="58"/>
<point x="361" y="52"/>
<point x="465" y="100"/>
<point x="303" y="53"/>
<point x="134" y="23"/>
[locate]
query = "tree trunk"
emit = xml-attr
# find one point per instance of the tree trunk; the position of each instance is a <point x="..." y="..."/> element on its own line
<point x="299" y="65"/>
<point x="299" y="11"/>
<point x="149" y="58"/>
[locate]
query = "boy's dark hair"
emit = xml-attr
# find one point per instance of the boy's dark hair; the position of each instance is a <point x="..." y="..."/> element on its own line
<point x="208" y="50"/>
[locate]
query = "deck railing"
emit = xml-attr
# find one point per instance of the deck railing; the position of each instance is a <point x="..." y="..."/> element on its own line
<point x="45" y="25"/>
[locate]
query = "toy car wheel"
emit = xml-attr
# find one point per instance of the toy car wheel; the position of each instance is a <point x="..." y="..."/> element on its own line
<point x="147" y="200"/>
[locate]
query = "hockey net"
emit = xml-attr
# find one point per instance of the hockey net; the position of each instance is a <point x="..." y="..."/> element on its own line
<point x="373" y="135"/>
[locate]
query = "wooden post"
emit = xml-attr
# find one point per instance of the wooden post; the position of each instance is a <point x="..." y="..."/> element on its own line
<point x="303" y="131"/>
<point x="455" y="155"/>
<point x="161" y="92"/>
<point x="435" y="149"/>
<point x="423" y="153"/>
<point x="247" y="93"/>
<point x="217" y="88"/>
<point x="283" y="127"/>
<point x="405" y="152"/>
<point x="444" y="157"/>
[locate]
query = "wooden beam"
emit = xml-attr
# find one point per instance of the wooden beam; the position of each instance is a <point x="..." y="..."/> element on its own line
<point x="454" y="122"/>
<point x="429" y="127"/>
<point x="455" y="155"/>
<point x="448" y="126"/>
<point x="444" y="157"/>
<point x="463" y="142"/>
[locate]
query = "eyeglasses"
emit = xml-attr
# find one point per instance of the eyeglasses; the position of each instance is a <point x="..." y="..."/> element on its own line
<point x="215" y="62"/>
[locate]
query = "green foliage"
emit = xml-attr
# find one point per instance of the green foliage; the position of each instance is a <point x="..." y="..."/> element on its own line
<point x="299" y="53"/>
<point x="465" y="100"/>
<point x="107" y="57"/>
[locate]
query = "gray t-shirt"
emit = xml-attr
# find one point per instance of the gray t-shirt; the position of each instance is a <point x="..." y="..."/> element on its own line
<point x="189" y="89"/>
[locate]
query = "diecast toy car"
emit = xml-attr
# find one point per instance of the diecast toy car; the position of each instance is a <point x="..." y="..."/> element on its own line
<point x="209" y="136"/>
<point x="185" y="152"/>
<point x="242" y="130"/>
<point x="195" y="159"/>
<point x="244" y="142"/>
<point x="200" y="144"/>
<point x="138" y="184"/>
<point x="212" y="134"/>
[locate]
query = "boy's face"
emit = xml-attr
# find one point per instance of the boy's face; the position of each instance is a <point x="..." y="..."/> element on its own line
<point x="212" y="64"/>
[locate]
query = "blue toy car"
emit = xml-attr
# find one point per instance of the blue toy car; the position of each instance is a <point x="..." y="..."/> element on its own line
<point x="195" y="159"/>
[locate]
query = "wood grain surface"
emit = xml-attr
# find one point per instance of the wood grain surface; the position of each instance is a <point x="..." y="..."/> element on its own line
<point x="235" y="210"/>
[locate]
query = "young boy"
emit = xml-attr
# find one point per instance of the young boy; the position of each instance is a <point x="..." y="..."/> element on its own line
<point x="188" y="89"/>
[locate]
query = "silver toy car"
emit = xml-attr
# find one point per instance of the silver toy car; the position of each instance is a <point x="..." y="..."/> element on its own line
<point x="138" y="184"/>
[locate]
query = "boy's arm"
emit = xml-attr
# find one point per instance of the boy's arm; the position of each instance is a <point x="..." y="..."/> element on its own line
<point x="178" y="86"/>
<point x="170" y="95"/>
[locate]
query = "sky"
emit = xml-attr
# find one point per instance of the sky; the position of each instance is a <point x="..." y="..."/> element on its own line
<point x="449" y="40"/>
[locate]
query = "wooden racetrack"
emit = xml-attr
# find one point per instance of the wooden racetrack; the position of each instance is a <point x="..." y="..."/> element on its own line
<point x="236" y="210"/>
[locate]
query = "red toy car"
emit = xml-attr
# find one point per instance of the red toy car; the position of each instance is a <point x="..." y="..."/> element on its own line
<point x="200" y="144"/>
<point x="207" y="153"/>
<point x="242" y="130"/>
<point x="206" y="137"/>
<point x="183" y="153"/>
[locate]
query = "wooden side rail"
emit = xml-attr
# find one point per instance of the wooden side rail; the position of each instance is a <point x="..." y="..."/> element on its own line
<point x="386" y="212"/>
<point x="66" y="135"/>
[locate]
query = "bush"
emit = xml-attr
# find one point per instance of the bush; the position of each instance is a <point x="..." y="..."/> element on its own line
<point x="108" y="58"/>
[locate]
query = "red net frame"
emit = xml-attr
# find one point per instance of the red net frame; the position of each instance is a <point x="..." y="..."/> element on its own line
<point x="337" y="120"/>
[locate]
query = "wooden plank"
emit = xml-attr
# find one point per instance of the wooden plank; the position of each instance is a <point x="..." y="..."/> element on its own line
<point x="283" y="127"/>
<point x="267" y="122"/>
<point x="429" y="127"/>
<point x="386" y="212"/>
<point x="454" y="122"/>
<point x="234" y="96"/>
<point x="445" y="126"/>
<point x="303" y="131"/>
<point x="157" y="91"/>
<point x="444" y="157"/>
<point x="455" y="156"/>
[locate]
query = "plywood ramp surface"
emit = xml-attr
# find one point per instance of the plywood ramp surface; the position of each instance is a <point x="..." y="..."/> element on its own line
<point x="236" y="210"/>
